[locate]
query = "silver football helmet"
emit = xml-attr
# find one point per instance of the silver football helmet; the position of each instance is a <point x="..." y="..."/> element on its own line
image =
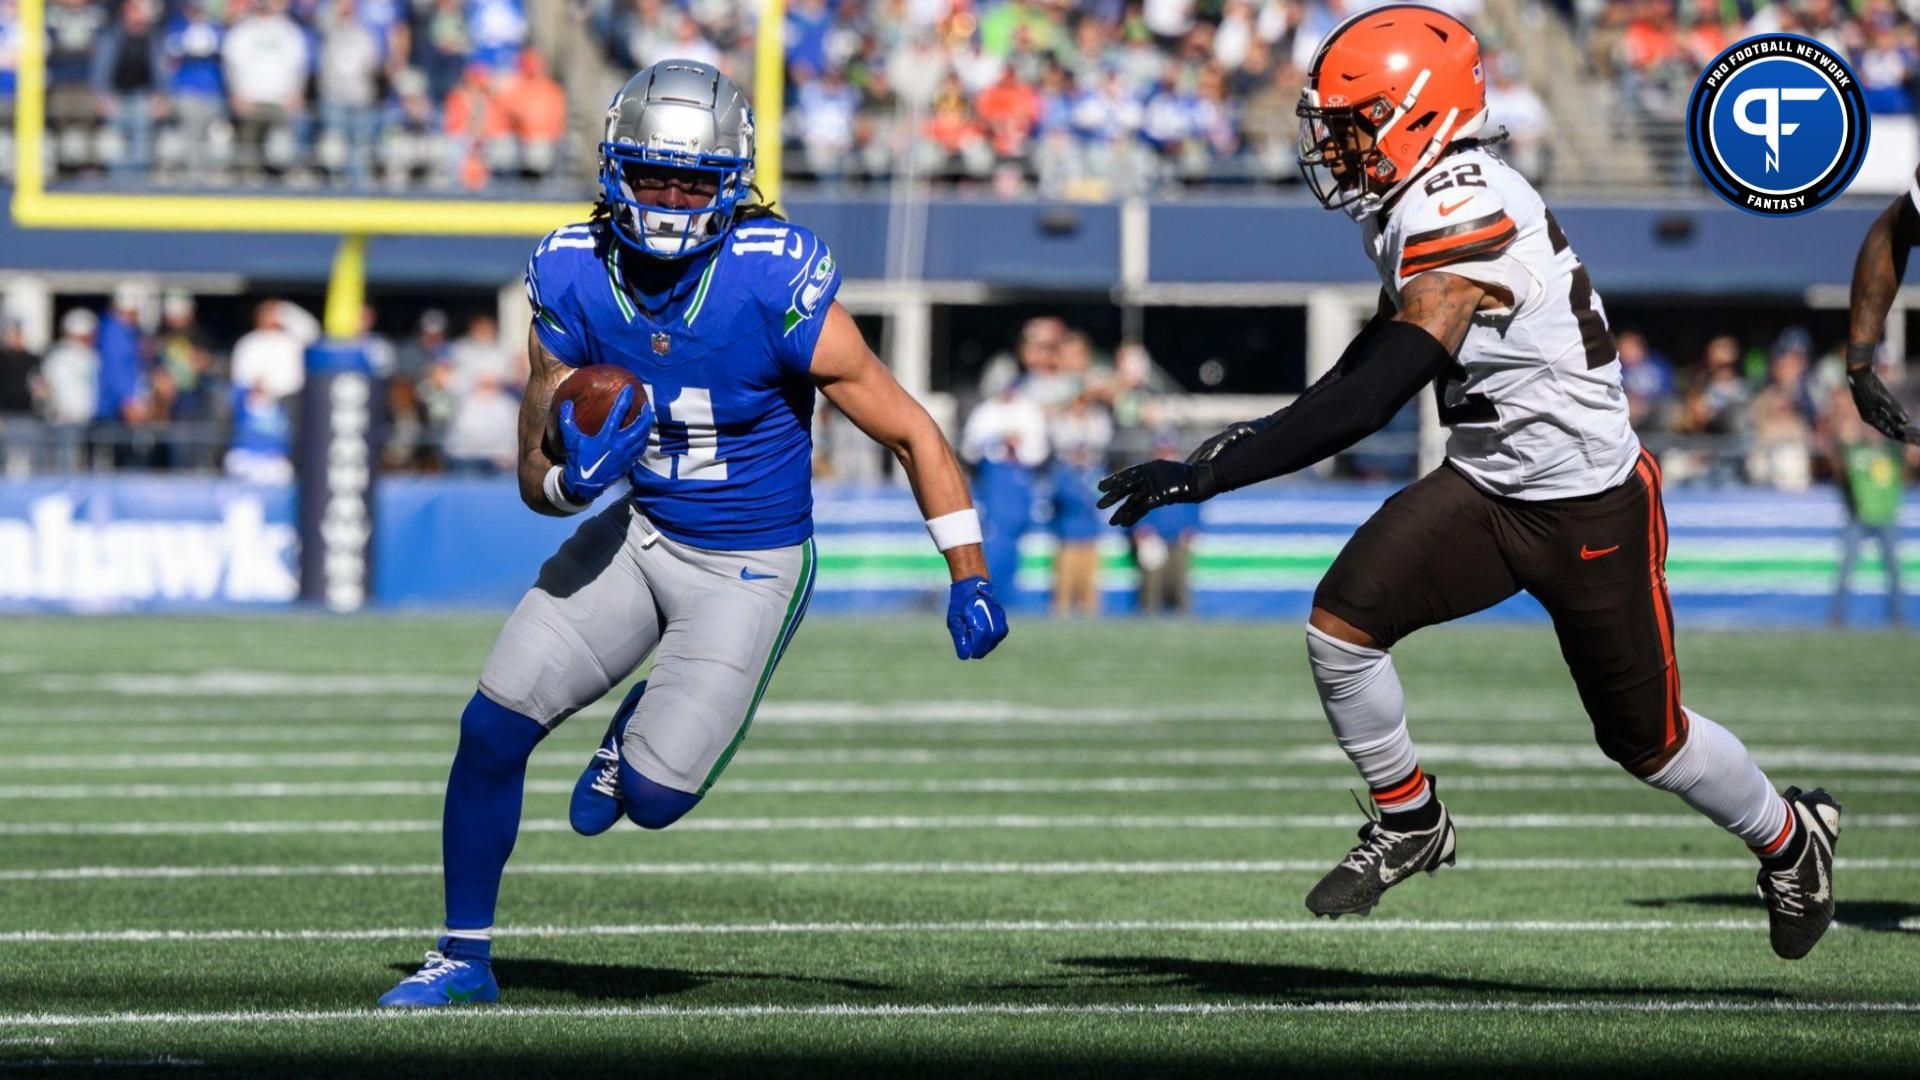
<point x="682" y="115"/>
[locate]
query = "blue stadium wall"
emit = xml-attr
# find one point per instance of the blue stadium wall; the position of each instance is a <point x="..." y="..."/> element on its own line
<point x="131" y="543"/>
<point x="1632" y="248"/>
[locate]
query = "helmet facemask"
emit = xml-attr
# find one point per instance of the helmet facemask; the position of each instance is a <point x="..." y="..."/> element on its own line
<point x="1340" y="154"/>
<point x="630" y="174"/>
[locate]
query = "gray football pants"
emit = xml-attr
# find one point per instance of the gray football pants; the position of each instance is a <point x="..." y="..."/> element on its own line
<point x="616" y="592"/>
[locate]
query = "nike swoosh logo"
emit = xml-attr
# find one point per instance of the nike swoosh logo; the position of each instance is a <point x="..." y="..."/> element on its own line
<point x="587" y="473"/>
<point x="748" y="575"/>
<point x="1589" y="554"/>
<point x="462" y="996"/>
<point x="1445" y="209"/>
<point x="985" y="611"/>
<point x="1816" y="835"/>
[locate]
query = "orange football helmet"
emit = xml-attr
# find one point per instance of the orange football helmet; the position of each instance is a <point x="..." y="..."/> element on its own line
<point x="1407" y="75"/>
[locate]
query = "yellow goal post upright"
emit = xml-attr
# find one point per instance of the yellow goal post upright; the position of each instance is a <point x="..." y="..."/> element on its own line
<point x="337" y="457"/>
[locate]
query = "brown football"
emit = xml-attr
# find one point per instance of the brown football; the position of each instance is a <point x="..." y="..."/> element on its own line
<point x="592" y="390"/>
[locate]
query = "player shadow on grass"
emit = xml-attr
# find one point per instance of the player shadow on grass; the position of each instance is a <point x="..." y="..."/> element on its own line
<point x="1882" y="915"/>
<point x="1299" y="982"/>
<point x="634" y="982"/>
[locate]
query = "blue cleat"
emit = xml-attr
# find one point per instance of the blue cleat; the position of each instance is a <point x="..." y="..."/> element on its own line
<point x="443" y="981"/>
<point x="596" y="798"/>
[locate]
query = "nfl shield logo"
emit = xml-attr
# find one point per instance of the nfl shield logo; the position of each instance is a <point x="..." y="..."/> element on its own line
<point x="661" y="343"/>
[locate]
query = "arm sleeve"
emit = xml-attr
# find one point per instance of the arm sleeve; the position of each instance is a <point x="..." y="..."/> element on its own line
<point x="1384" y="367"/>
<point x="1470" y="235"/>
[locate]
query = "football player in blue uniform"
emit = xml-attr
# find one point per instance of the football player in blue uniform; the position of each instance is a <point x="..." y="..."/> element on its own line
<point x="726" y="314"/>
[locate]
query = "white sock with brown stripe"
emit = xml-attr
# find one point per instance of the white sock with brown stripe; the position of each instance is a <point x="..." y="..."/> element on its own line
<point x="1361" y="694"/>
<point x="1713" y="773"/>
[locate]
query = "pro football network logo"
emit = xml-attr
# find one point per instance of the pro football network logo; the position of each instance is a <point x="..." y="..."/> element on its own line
<point x="1777" y="125"/>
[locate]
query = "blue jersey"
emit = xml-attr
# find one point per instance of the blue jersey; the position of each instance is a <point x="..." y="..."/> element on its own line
<point x="724" y="357"/>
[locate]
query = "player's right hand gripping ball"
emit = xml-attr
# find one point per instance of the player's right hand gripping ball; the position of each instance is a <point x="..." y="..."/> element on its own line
<point x="974" y="618"/>
<point x="595" y="461"/>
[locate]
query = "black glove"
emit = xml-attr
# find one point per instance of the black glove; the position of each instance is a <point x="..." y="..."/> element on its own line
<point x="1156" y="483"/>
<point x="1876" y="404"/>
<point x="1236" y="431"/>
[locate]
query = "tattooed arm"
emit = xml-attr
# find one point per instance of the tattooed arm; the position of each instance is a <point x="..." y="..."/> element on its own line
<point x="1877" y="271"/>
<point x="544" y="376"/>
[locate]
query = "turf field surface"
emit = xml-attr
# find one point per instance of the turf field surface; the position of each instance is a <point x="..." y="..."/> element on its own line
<point x="219" y="843"/>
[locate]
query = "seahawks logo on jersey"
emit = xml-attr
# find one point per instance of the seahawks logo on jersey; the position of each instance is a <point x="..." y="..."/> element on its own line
<point x="810" y="288"/>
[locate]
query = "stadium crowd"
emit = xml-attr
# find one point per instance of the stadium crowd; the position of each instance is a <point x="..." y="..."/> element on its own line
<point x="1655" y="49"/>
<point x="352" y="94"/>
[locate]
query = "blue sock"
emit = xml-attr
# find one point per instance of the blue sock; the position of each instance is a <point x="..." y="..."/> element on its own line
<point x="473" y="950"/>
<point x="482" y="815"/>
<point x="650" y="805"/>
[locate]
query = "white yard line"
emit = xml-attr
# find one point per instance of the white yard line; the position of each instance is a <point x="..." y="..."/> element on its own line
<point x="865" y="823"/>
<point x="968" y="786"/>
<point x="902" y="1012"/>
<point x="829" y="929"/>
<point x="911" y="869"/>
<point x="1501" y="755"/>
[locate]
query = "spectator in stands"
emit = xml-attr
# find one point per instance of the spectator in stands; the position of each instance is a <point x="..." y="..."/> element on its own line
<point x="1720" y="406"/>
<point x="1005" y="439"/>
<point x="1647" y="377"/>
<point x="477" y="124"/>
<point x="272" y="356"/>
<point x="410" y="138"/>
<point x="1079" y="435"/>
<point x="196" y="86"/>
<point x="1009" y="109"/>
<point x="482" y="437"/>
<point x="1512" y="104"/>
<point x="73" y="26"/>
<point x="1163" y="546"/>
<point x="185" y="355"/>
<point x="20" y="395"/>
<point x="9" y="56"/>
<point x="1705" y="36"/>
<point x="71" y="372"/>
<point x="261" y="447"/>
<point x="1870" y="474"/>
<point x="480" y="354"/>
<point x="351" y="60"/>
<point x="124" y="405"/>
<point x="497" y="31"/>
<point x="1779" y="455"/>
<point x="1167" y="114"/>
<point x="808" y="30"/>
<point x="442" y="46"/>
<point x="265" y="61"/>
<point x="128" y="77"/>
<point x="1886" y="68"/>
<point x="827" y="106"/>
<point x="956" y="141"/>
<point x="1002" y="22"/>
<point x="690" y="44"/>
<point x="537" y="111"/>
<point x="408" y="431"/>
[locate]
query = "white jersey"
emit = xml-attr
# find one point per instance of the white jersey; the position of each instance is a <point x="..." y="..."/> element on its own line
<point x="1534" y="402"/>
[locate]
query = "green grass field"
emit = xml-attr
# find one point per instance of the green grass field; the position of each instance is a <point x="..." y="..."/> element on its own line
<point x="219" y="843"/>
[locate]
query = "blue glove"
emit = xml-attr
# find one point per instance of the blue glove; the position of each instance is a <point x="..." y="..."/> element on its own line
<point x="595" y="461"/>
<point x="974" y="618"/>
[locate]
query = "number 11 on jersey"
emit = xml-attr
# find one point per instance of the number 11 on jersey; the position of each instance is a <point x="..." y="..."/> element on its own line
<point x="692" y="408"/>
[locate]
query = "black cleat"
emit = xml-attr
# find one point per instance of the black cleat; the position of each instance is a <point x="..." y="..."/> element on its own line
<point x="1382" y="860"/>
<point x="1800" y="896"/>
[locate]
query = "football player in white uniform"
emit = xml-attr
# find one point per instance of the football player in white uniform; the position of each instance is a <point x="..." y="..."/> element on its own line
<point x="1545" y="487"/>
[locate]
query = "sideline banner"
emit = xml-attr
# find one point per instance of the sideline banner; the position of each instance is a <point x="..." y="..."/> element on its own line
<point x="124" y="543"/>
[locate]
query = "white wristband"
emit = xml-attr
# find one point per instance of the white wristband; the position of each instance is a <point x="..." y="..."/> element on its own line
<point x="955" y="529"/>
<point x="556" y="495"/>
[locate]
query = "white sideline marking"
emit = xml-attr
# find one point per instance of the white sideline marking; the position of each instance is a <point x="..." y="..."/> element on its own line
<point x="807" y="869"/>
<point x="903" y="821"/>
<point x="750" y="1012"/>
<point x="776" y="929"/>
<point x="973" y="786"/>
<point x="1562" y="755"/>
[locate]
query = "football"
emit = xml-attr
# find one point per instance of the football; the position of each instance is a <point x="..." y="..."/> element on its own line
<point x="592" y="390"/>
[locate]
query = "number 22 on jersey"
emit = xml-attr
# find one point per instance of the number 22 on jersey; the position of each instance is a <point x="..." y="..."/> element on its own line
<point x="692" y="408"/>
